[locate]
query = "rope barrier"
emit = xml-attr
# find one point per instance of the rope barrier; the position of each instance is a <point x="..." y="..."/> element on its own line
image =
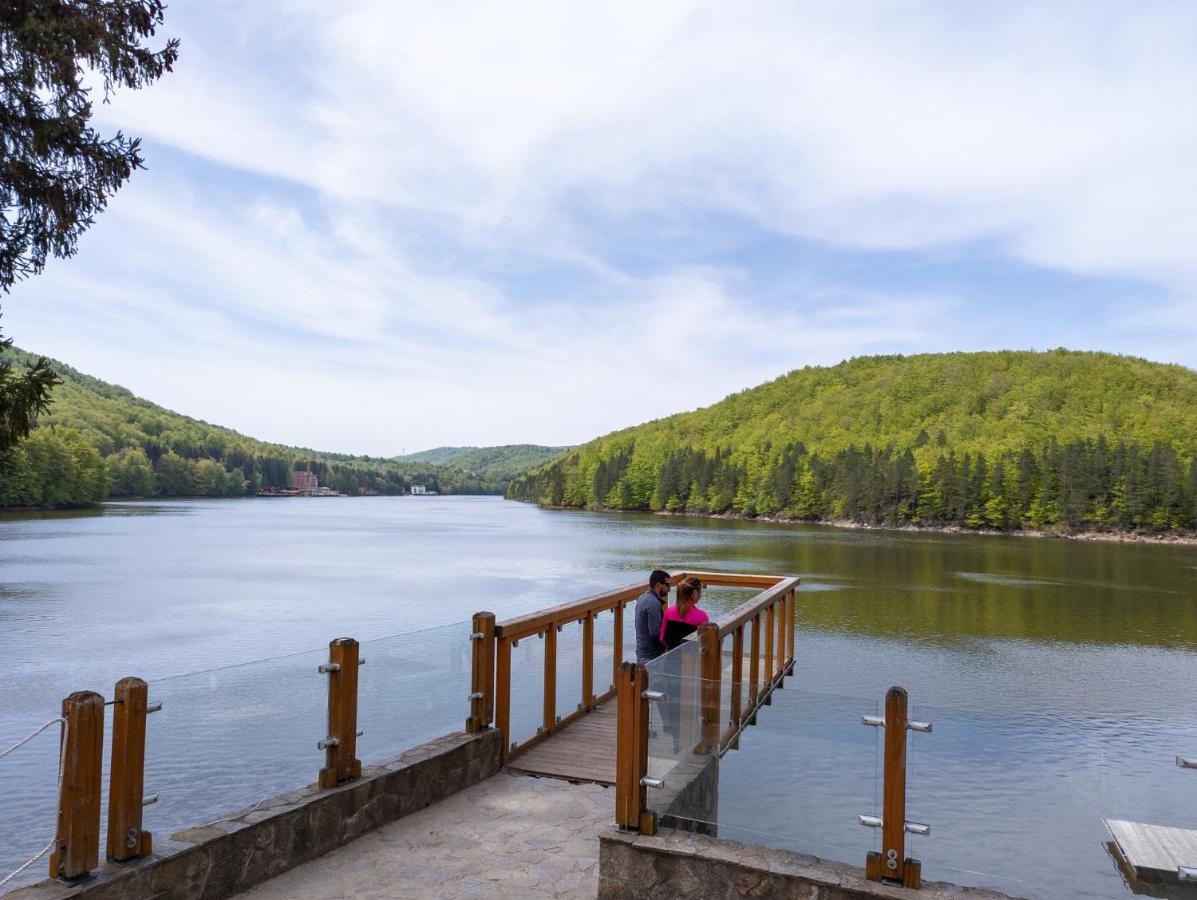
<point x="25" y="740"/>
<point x="58" y="794"/>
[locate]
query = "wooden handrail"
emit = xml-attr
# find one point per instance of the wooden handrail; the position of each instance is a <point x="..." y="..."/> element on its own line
<point x="534" y="623"/>
<point x="126" y="779"/>
<point x="547" y="623"/>
<point x="77" y="839"/>
<point x="730" y="621"/>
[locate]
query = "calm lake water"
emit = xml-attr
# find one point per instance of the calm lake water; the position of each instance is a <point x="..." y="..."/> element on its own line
<point x="1061" y="677"/>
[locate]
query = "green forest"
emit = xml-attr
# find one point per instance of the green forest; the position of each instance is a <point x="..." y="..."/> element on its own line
<point x="1009" y="440"/>
<point x="99" y="441"/>
<point x="502" y="463"/>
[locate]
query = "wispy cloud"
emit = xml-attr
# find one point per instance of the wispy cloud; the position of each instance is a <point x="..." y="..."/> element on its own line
<point x="454" y="223"/>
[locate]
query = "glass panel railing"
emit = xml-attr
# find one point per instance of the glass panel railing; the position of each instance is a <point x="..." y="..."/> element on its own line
<point x="413" y="688"/>
<point x="628" y="644"/>
<point x="604" y="652"/>
<point x="798" y="778"/>
<point x="1040" y="785"/>
<point x="527" y="688"/>
<point x="569" y="669"/>
<point x="803" y="774"/>
<point x="684" y="773"/>
<point x="229" y="738"/>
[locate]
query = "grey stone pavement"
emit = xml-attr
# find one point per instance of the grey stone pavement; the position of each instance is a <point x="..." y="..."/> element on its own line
<point x="510" y="836"/>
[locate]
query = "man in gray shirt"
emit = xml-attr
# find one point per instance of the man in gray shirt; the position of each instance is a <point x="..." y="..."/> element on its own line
<point x="650" y="609"/>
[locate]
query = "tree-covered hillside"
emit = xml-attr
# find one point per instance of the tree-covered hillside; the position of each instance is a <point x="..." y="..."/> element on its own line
<point x="99" y="440"/>
<point x="1007" y="439"/>
<point x="498" y="463"/>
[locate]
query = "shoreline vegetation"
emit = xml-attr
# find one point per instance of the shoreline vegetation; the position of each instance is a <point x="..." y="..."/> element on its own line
<point x="1010" y="442"/>
<point x="1179" y="538"/>
<point x="100" y="441"/>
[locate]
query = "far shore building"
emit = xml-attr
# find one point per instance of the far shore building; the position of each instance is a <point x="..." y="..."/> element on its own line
<point x="419" y="489"/>
<point x="304" y="481"/>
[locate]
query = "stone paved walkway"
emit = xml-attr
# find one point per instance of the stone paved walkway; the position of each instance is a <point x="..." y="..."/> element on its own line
<point x="510" y="836"/>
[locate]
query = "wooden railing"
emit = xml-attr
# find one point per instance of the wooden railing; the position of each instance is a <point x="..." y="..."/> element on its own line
<point x="766" y="624"/>
<point x="76" y="847"/>
<point x="493" y="690"/>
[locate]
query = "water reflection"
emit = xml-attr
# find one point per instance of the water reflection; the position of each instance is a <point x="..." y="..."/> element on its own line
<point x="1042" y="639"/>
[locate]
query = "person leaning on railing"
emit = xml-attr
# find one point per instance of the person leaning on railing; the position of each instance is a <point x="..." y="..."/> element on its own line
<point x="684" y="617"/>
<point x="650" y="613"/>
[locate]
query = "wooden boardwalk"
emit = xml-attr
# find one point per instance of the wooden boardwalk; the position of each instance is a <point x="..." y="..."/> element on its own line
<point x="1153" y="852"/>
<point x="582" y="751"/>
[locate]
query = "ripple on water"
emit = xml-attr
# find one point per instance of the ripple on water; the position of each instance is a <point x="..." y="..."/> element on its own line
<point x="990" y="578"/>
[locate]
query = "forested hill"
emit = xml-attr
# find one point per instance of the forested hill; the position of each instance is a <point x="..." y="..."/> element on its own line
<point x="1008" y="440"/>
<point x="502" y="463"/>
<point x="99" y="440"/>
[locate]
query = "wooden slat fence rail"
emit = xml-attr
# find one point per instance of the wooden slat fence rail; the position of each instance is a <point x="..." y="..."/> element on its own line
<point x="493" y="692"/>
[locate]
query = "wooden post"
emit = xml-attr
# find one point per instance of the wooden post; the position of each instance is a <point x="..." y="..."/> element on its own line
<point x="550" y="679"/>
<point x="892" y="864"/>
<point x="588" y="661"/>
<point x="754" y="664"/>
<point x="711" y="671"/>
<point x="340" y="746"/>
<point x="737" y="683"/>
<point x="503" y="695"/>
<point x="631" y="751"/>
<point x="77" y="843"/>
<point x="482" y="673"/>
<point x="126" y="779"/>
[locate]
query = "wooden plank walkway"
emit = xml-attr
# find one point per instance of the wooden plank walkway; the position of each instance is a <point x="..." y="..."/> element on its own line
<point x="584" y="750"/>
<point x="1153" y="852"/>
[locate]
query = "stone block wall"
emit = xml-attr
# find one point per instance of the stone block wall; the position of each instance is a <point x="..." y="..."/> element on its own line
<point x="698" y="867"/>
<point x="225" y="858"/>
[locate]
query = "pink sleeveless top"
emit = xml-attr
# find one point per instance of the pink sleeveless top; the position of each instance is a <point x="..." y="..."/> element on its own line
<point x="696" y="617"/>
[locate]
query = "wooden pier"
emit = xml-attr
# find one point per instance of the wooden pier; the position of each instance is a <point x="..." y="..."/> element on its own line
<point x="1154" y="854"/>
<point x="582" y="746"/>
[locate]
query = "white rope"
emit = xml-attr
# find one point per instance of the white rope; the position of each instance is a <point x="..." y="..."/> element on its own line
<point x="58" y="795"/>
<point x="25" y="740"/>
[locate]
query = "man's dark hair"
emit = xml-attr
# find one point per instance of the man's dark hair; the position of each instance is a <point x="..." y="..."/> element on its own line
<point x="657" y="577"/>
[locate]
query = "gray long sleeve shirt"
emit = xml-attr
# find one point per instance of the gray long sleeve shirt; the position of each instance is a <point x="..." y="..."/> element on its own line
<point x="648" y="627"/>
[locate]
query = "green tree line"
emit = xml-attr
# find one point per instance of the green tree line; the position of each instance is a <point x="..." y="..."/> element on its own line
<point x="98" y="440"/>
<point x="1080" y="485"/>
<point x="1005" y="440"/>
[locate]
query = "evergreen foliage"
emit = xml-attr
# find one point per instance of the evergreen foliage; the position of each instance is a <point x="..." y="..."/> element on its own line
<point x="98" y="440"/>
<point x="1003" y="440"/>
<point x="56" y="171"/>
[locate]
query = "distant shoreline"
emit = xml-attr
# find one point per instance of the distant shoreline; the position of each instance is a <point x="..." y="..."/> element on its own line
<point x="1184" y="539"/>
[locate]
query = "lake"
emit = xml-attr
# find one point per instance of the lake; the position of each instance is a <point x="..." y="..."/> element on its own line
<point x="1061" y="677"/>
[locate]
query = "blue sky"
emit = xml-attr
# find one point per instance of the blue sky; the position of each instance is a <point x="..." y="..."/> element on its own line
<point x="395" y="226"/>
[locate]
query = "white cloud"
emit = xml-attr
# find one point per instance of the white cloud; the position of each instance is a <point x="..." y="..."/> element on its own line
<point x="402" y="170"/>
<point x="1067" y="129"/>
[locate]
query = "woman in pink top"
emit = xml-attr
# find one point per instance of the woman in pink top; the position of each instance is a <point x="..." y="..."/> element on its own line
<point x="684" y="616"/>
